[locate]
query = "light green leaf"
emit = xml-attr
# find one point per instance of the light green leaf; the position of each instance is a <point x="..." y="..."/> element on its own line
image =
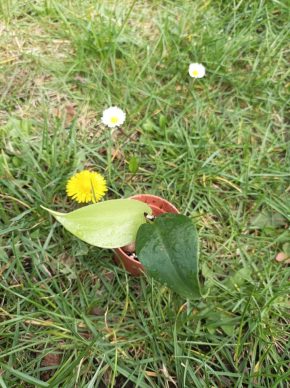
<point x="286" y="248"/>
<point x="109" y="224"/>
<point x="238" y="278"/>
<point x="168" y="249"/>
<point x="268" y="219"/>
<point x="229" y="329"/>
<point x="133" y="164"/>
<point x="162" y="121"/>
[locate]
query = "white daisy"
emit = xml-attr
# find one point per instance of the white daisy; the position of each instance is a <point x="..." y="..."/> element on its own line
<point x="196" y="70"/>
<point x="113" y="117"/>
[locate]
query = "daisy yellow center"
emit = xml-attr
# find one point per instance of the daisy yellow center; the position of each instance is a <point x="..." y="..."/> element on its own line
<point x="195" y="73"/>
<point x="114" y="120"/>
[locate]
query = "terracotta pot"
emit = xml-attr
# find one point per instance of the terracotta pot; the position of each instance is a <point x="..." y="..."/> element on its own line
<point x="158" y="206"/>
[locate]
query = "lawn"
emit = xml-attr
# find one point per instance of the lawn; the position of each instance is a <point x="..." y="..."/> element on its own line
<point x="216" y="147"/>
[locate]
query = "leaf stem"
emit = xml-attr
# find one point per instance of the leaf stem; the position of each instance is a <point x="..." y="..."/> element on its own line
<point x="149" y="217"/>
<point x="188" y="307"/>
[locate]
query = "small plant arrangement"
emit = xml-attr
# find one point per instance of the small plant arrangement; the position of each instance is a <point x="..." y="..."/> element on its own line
<point x="166" y="246"/>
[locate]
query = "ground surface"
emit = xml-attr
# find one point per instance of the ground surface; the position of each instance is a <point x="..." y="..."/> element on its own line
<point x="215" y="147"/>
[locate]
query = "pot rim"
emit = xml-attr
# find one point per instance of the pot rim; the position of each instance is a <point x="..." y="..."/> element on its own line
<point x="155" y="197"/>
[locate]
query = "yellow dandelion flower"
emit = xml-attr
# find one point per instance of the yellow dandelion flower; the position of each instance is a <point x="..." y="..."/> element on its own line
<point x="86" y="186"/>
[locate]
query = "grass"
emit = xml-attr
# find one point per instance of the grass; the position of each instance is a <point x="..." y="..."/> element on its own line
<point x="218" y="148"/>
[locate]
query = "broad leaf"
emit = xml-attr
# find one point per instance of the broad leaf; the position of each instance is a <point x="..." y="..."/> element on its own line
<point x="168" y="249"/>
<point x="133" y="164"/>
<point x="268" y="219"/>
<point x="109" y="224"/>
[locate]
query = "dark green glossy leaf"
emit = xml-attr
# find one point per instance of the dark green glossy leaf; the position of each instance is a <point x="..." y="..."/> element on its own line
<point x="168" y="249"/>
<point x="108" y="224"/>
